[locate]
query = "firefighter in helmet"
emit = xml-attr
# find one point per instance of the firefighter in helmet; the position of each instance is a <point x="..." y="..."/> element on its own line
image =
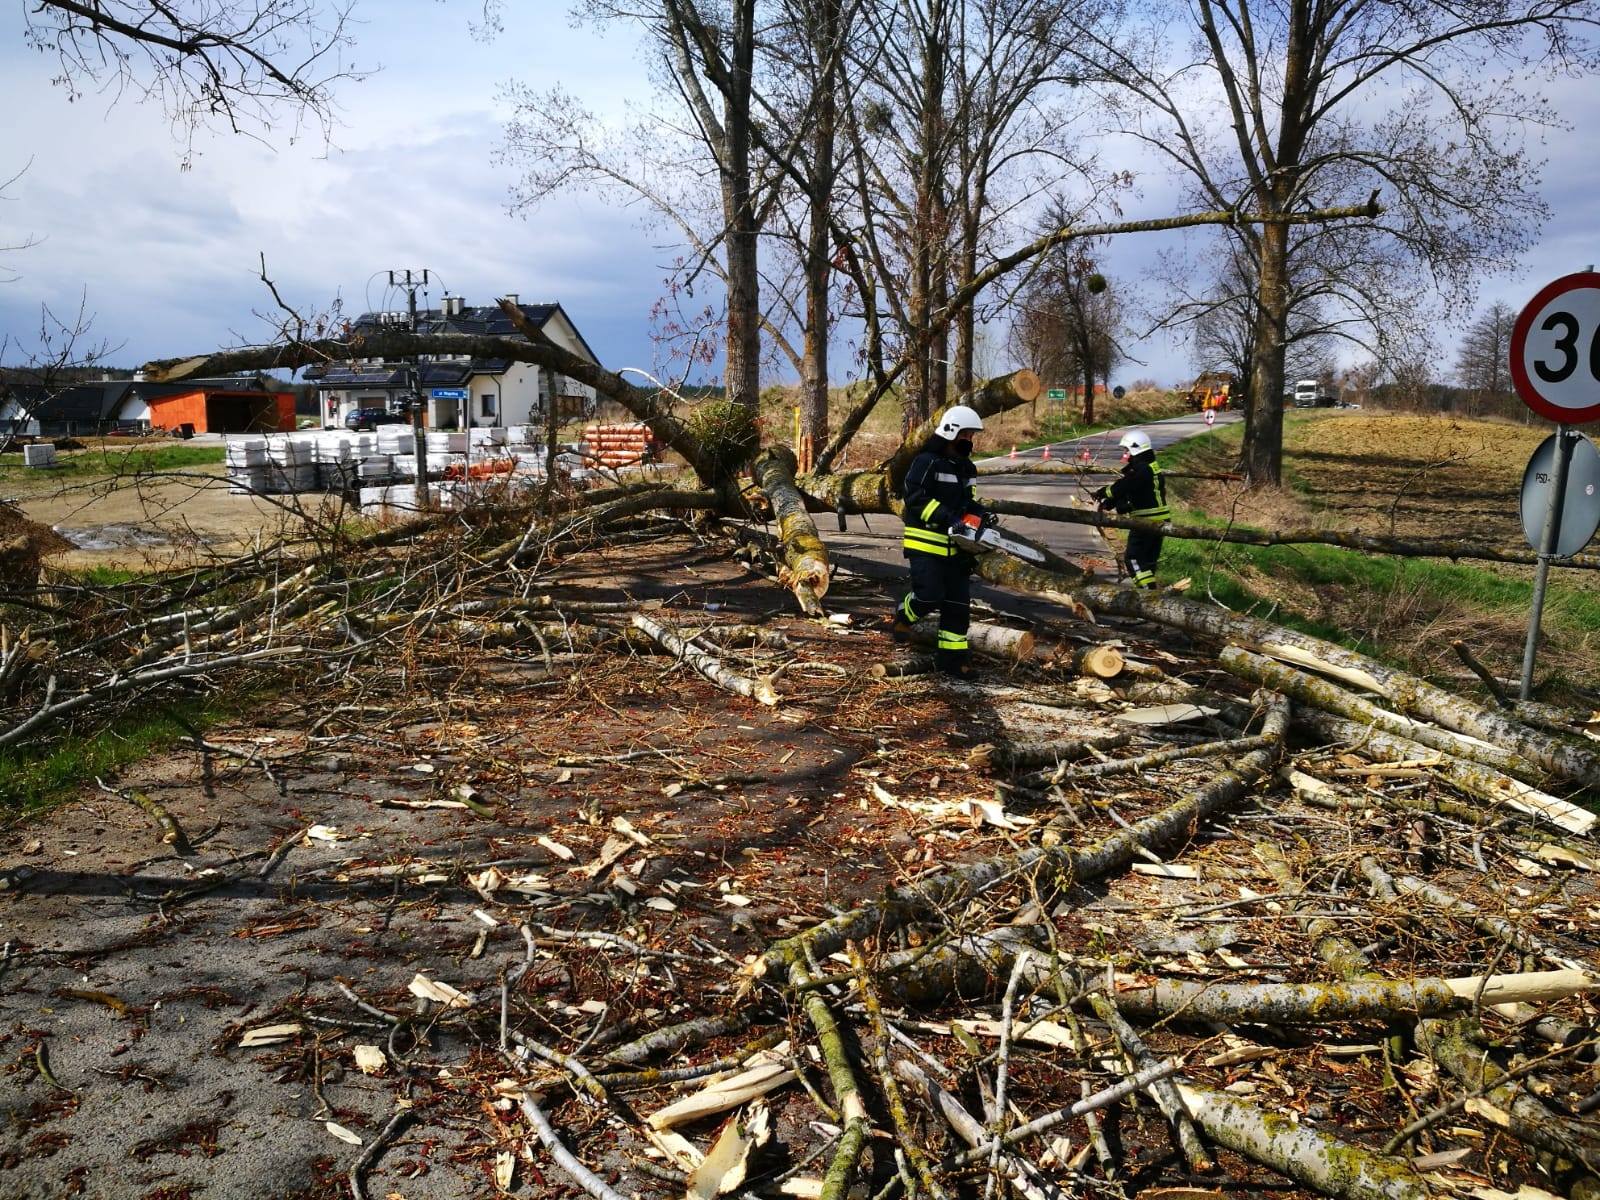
<point x="1140" y="491"/>
<point x="940" y="496"/>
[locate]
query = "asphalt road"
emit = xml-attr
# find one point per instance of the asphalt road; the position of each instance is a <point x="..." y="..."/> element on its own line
<point x="872" y="544"/>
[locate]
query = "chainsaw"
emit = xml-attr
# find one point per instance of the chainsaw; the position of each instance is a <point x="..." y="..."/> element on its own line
<point x="977" y="536"/>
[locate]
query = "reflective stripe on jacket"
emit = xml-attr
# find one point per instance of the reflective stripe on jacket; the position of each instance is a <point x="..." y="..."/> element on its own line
<point x="1141" y="491"/>
<point x="938" y="492"/>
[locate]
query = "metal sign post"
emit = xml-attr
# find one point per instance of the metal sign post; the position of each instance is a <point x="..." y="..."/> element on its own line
<point x="1547" y="549"/>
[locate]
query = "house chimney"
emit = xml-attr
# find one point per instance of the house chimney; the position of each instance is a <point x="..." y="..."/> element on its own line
<point x="512" y="296"/>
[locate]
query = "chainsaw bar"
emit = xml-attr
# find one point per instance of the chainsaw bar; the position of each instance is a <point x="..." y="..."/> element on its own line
<point x="990" y="538"/>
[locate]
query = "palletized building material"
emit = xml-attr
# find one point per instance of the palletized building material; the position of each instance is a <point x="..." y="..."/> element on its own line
<point x="41" y="455"/>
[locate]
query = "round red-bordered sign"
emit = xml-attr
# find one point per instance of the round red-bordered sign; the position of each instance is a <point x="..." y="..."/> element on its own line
<point x="1555" y="350"/>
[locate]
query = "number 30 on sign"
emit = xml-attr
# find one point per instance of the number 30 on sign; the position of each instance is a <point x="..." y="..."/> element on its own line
<point x="1555" y="350"/>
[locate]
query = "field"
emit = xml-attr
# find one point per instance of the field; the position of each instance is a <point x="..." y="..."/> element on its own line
<point x="1399" y="475"/>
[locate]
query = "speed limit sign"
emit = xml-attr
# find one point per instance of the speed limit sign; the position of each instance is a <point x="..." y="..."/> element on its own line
<point x="1555" y="350"/>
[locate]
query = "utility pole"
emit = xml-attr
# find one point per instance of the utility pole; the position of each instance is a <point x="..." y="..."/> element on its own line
<point x="414" y="379"/>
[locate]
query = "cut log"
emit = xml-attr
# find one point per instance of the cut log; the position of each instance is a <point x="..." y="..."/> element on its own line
<point x="805" y="568"/>
<point x="1005" y="571"/>
<point x="1102" y="662"/>
<point x="708" y="665"/>
<point x="1472" y="778"/>
<point x="1307" y="1155"/>
<point x="997" y="641"/>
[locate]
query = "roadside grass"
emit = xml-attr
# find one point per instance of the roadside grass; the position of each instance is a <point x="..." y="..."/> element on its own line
<point x="33" y="780"/>
<point x="1403" y="610"/>
<point x="116" y="460"/>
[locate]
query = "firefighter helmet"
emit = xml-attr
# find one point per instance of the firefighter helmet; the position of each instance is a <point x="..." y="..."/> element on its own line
<point x="958" y="420"/>
<point x="1135" y="441"/>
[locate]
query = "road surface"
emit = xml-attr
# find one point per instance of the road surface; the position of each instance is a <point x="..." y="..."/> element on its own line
<point x="871" y="544"/>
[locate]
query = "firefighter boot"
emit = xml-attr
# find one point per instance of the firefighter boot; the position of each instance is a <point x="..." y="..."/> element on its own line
<point x="955" y="663"/>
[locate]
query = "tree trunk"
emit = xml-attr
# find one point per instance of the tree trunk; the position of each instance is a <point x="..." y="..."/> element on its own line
<point x="1413" y="696"/>
<point x="805" y="558"/>
<point x="1261" y="458"/>
<point x="819" y="263"/>
<point x="744" y="288"/>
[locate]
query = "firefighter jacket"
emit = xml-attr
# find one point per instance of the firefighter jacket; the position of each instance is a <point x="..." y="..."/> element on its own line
<point x="938" y="492"/>
<point x="1141" y="490"/>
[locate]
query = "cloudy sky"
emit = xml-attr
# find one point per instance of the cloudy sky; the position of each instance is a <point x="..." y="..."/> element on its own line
<point x="167" y="259"/>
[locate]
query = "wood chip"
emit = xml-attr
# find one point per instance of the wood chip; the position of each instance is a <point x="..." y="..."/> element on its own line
<point x="1165" y="714"/>
<point x="440" y="993"/>
<point x="562" y="852"/>
<point x="370" y="1060"/>
<point x="270" y="1035"/>
<point x="343" y="1134"/>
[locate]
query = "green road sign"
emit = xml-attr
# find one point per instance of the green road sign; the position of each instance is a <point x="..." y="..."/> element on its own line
<point x="1057" y="394"/>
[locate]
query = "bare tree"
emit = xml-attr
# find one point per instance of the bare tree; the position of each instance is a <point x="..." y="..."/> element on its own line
<point x="236" y="63"/>
<point x="1069" y="322"/>
<point x="63" y="354"/>
<point x="1483" y="364"/>
<point x="1411" y="98"/>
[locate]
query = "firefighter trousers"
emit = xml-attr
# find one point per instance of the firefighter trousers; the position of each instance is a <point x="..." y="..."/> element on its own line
<point x="1144" y="549"/>
<point x="943" y="584"/>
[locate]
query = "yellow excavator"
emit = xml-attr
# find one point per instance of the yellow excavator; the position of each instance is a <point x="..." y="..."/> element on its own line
<point x="1210" y="391"/>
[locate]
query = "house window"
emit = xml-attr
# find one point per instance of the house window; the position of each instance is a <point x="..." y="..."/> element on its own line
<point x="488" y="404"/>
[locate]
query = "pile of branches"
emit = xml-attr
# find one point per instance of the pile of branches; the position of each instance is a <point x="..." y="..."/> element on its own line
<point x="337" y="611"/>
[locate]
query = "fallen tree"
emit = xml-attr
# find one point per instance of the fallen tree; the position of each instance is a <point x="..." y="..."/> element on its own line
<point x="1451" y="548"/>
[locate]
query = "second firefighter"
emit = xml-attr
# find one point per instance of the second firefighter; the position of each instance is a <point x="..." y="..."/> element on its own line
<point x="1141" y="492"/>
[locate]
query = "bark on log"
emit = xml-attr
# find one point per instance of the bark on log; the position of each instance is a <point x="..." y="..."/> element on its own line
<point x="708" y="665"/>
<point x="1413" y="696"/>
<point x="1113" y="853"/>
<point x="1319" y="693"/>
<point x="1307" y="1155"/>
<point x="805" y="559"/>
<point x="1013" y="756"/>
<point x="1447" y="1044"/>
<point x="997" y="641"/>
<point x="1004" y="571"/>
<point x="1356" y="1000"/>
<point x="990" y="398"/>
<point x="1451" y="548"/>
<point x="1472" y="778"/>
<point x="1159" y="758"/>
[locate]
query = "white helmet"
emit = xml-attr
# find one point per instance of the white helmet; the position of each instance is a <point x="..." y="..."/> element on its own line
<point x="958" y="420"/>
<point x="1135" y="441"/>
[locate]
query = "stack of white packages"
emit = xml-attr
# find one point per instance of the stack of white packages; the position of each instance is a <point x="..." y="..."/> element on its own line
<point x="396" y="439"/>
<point x="248" y="470"/>
<point x="336" y="465"/>
<point x="374" y="470"/>
<point x="42" y="454"/>
<point x="293" y="463"/>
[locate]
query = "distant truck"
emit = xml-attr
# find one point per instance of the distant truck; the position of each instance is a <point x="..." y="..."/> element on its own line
<point x="1305" y="393"/>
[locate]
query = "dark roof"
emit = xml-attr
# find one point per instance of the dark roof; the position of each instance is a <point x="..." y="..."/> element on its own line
<point x="79" y="402"/>
<point x="480" y="321"/>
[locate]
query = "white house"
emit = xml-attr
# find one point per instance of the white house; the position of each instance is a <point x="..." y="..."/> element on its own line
<point x="460" y="391"/>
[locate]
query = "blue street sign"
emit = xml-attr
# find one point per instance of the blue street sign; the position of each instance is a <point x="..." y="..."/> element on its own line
<point x="449" y="393"/>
